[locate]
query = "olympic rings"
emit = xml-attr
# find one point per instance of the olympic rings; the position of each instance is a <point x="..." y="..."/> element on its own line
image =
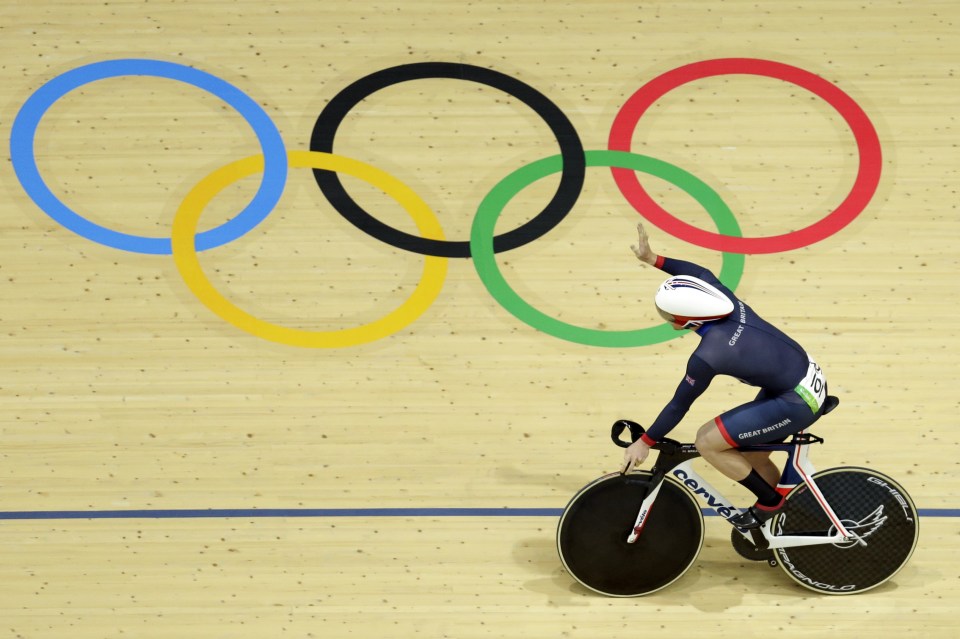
<point x="868" y="146"/>
<point x="24" y="161"/>
<point x="495" y="201"/>
<point x="571" y="150"/>
<point x="483" y="245"/>
<point x="185" y="227"/>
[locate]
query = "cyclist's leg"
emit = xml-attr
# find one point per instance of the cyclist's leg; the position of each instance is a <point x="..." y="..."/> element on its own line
<point x="762" y="420"/>
<point x="765" y="466"/>
<point x="720" y="453"/>
<point x="719" y="447"/>
<point x="765" y="420"/>
<point x="716" y="450"/>
<point x="761" y="462"/>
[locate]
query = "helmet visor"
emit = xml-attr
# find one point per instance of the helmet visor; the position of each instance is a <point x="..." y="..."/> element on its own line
<point x="667" y="316"/>
<point x="676" y="320"/>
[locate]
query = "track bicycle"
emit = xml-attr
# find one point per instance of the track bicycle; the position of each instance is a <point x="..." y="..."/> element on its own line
<point x="842" y="531"/>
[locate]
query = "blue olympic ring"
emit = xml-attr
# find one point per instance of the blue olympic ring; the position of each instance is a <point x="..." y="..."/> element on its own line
<point x="28" y="119"/>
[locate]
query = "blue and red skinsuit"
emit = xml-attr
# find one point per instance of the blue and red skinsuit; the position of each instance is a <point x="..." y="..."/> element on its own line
<point x="747" y="347"/>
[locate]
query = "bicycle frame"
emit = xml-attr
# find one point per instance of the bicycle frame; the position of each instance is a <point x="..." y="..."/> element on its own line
<point x="677" y="460"/>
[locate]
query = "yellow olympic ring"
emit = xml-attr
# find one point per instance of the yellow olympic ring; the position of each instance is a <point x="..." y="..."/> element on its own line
<point x="185" y="254"/>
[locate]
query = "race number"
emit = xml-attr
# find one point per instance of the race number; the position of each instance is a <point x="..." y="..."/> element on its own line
<point x="813" y="388"/>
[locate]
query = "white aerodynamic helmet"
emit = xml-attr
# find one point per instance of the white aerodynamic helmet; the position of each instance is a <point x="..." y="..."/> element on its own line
<point x="689" y="301"/>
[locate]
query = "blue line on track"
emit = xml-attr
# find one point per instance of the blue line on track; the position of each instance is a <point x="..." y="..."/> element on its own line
<point x="259" y="513"/>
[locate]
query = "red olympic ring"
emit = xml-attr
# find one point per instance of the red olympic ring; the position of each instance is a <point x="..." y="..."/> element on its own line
<point x="868" y="147"/>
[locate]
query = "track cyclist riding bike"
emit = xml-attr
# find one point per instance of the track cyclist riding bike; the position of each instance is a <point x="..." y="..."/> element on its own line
<point x="734" y="341"/>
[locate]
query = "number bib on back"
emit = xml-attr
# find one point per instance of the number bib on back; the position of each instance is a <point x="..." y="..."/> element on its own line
<point x="813" y="387"/>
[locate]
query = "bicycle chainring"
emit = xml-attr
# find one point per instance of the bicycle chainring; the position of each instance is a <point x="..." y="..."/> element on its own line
<point x="747" y="550"/>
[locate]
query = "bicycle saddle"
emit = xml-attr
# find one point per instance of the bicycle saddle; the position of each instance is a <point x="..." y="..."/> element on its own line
<point x="831" y="402"/>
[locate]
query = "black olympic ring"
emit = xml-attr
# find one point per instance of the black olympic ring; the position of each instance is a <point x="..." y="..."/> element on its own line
<point x="571" y="151"/>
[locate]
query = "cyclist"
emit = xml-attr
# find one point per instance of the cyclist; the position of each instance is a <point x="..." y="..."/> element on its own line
<point x="734" y="341"/>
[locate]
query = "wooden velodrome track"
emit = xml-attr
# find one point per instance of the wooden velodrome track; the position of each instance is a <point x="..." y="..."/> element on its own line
<point x="130" y="409"/>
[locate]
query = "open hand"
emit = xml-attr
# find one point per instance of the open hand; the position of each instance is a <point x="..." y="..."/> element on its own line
<point x="642" y="248"/>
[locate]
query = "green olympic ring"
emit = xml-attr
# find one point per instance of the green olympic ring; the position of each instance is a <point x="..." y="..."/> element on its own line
<point x="484" y="260"/>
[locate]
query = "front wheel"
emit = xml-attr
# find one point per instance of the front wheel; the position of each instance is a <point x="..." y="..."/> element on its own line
<point x="870" y="505"/>
<point x="593" y="530"/>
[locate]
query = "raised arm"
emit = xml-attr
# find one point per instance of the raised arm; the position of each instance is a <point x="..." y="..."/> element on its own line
<point x="673" y="266"/>
<point x="642" y="248"/>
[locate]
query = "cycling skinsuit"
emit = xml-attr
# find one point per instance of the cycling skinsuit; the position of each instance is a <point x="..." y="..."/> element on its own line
<point x="743" y="345"/>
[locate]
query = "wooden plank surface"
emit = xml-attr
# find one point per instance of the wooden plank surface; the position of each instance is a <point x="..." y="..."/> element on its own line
<point x="123" y="391"/>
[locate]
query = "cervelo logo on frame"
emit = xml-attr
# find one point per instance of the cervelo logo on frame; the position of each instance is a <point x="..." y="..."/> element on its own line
<point x="716" y="502"/>
<point x="482" y="245"/>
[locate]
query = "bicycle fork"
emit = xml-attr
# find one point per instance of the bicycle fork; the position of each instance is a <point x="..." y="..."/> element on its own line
<point x="692" y="481"/>
<point x="645" y="509"/>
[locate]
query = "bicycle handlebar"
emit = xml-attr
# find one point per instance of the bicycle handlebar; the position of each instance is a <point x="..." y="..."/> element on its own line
<point x="636" y="432"/>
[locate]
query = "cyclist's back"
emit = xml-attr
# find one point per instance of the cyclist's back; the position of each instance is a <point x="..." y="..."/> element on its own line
<point x="744" y="345"/>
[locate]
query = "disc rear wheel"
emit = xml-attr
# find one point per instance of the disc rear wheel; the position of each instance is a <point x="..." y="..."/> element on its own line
<point x="870" y="505"/>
